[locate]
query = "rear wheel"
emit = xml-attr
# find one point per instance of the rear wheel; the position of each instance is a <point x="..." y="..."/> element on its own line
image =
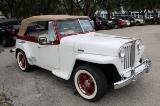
<point x="5" y="41"/>
<point x="90" y="82"/>
<point x="22" y="61"/>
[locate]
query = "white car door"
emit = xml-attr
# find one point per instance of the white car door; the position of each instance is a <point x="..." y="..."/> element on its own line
<point x="50" y="56"/>
<point x="50" y="52"/>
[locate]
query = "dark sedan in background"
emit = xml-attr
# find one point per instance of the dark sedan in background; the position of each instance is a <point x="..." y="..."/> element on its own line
<point x="102" y="24"/>
<point x="98" y="23"/>
<point x="108" y="25"/>
<point x="8" y="31"/>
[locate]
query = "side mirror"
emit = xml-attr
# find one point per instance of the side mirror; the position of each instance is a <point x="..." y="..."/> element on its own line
<point x="42" y="40"/>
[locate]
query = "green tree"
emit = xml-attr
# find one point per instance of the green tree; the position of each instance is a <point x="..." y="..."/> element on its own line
<point x="3" y="8"/>
<point x="11" y="8"/>
<point x="137" y="5"/>
<point x="110" y="6"/>
<point x="88" y="7"/>
<point x="155" y="4"/>
<point x="142" y="6"/>
<point x="69" y="6"/>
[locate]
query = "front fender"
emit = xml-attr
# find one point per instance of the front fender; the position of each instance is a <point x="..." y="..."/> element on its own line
<point x="99" y="59"/>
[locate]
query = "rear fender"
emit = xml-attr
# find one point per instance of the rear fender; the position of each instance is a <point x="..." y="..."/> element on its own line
<point x="24" y="47"/>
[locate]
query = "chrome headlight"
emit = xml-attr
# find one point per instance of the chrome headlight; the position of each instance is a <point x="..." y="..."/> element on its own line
<point x="121" y="52"/>
<point x="139" y="45"/>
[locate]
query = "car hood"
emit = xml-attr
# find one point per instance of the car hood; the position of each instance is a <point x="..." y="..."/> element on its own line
<point x="96" y="43"/>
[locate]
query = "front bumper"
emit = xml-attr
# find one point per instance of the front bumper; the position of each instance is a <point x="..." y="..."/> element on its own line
<point x="134" y="74"/>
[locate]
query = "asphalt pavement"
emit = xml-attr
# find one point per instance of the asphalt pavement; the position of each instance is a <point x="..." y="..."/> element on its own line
<point x="41" y="88"/>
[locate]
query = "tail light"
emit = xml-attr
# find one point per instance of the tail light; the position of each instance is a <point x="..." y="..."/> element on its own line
<point x="97" y="22"/>
<point x="12" y="31"/>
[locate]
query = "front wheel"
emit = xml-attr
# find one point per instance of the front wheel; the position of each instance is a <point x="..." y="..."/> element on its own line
<point x="22" y="61"/>
<point x="138" y="23"/>
<point x="116" y="27"/>
<point x="158" y="20"/>
<point x="90" y="82"/>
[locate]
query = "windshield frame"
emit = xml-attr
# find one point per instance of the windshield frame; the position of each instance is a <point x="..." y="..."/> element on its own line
<point x="77" y="33"/>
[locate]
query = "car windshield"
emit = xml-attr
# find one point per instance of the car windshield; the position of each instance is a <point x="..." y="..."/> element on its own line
<point x="74" y="26"/>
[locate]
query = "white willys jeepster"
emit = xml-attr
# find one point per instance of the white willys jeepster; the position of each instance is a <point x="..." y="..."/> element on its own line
<point x="68" y="46"/>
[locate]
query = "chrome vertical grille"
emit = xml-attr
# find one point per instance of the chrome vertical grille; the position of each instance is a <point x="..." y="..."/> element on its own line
<point x="129" y="58"/>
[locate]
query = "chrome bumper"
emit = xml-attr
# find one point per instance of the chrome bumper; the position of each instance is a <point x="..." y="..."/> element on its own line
<point x="134" y="75"/>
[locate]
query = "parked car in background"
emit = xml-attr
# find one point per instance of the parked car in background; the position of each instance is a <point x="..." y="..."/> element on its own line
<point x="105" y="22"/>
<point x="158" y="20"/>
<point x="139" y="22"/>
<point x="119" y="22"/>
<point x="128" y="19"/>
<point x="98" y="23"/>
<point x="70" y="47"/>
<point x="112" y="22"/>
<point x="35" y="26"/>
<point x="129" y="22"/>
<point x="92" y="23"/>
<point x="131" y="19"/>
<point x="8" y="31"/>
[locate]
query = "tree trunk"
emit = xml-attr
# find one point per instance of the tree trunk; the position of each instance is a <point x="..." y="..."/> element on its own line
<point x="109" y="14"/>
<point x="155" y="17"/>
<point x="48" y="6"/>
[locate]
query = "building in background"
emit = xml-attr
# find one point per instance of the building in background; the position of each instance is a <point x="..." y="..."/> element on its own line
<point x="1" y="15"/>
<point x="136" y="14"/>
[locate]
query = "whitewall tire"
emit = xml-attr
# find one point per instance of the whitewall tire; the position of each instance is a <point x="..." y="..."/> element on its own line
<point x="90" y="82"/>
<point x="22" y="61"/>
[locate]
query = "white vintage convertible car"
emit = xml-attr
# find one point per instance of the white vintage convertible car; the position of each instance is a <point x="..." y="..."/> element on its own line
<point x="68" y="46"/>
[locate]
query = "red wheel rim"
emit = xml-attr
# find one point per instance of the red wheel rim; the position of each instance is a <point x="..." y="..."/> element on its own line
<point x="86" y="84"/>
<point x="22" y="61"/>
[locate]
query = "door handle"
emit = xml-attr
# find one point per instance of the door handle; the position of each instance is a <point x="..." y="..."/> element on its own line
<point x="39" y="47"/>
<point x="22" y="42"/>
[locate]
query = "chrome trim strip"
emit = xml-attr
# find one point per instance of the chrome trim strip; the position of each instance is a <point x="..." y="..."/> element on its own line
<point x="129" y="58"/>
<point x="115" y="36"/>
<point x="22" y="42"/>
<point x="134" y="75"/>
<point x="80" y="25"/>
<point x="133" y="53"/>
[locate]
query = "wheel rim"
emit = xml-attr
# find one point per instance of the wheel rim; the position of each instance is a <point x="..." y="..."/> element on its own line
<point x="79" y="79"/>
<point x="22" y="61"/>
<point x="86" y="84"/>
